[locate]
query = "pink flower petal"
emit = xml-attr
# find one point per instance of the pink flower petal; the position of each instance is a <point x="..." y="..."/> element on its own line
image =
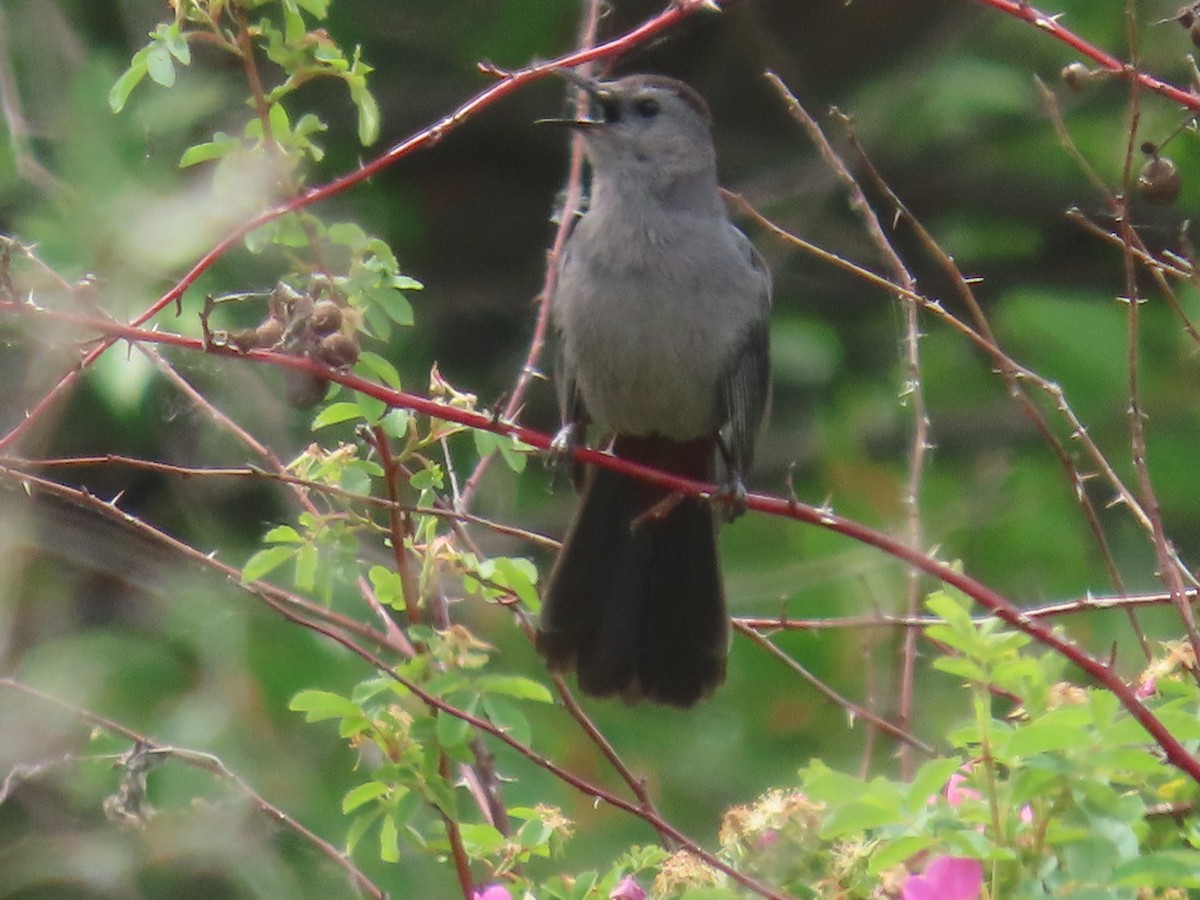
<point x="946" y="878"/>
<point x="767" y="839"/>
<point x="956" y="794"/>
<point x="492" y="892"/>
<point x="627" y="889"/>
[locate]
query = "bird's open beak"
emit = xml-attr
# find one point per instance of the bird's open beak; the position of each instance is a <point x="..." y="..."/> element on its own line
<point x="591" y="87"/>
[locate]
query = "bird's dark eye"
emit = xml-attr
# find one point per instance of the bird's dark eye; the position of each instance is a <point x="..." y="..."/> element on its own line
<point x="611" y="109"/>
<point x="647" y="107"/>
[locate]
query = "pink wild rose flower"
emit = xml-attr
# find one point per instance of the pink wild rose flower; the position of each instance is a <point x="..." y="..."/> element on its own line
<point x="946" y="878"/>
<point x="627" y="889"/>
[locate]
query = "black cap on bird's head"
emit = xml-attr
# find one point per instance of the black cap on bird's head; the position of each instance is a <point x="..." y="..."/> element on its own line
<point x="640" y="95"/>
<point x="642" y="120"/>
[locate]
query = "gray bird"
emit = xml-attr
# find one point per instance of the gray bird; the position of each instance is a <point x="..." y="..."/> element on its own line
<point x="661" y="308"/>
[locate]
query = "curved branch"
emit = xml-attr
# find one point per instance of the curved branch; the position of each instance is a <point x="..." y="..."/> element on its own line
<point x="789" y="507"/>
<point x="1051" y="24"/>
<point x="426" y="137"/>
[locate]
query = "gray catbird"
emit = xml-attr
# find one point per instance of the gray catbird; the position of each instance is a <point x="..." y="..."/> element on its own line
<point x="661" y="309"/>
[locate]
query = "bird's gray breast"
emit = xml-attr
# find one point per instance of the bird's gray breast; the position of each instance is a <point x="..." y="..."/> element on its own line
<point x="649" y="314"/>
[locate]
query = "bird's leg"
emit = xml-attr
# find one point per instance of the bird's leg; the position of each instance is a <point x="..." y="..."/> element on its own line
<point x="731" y="493"/>
<point x="562" y="450"/>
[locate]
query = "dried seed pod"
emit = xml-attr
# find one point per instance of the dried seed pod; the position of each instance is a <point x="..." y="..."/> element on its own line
<point x="339" y="349"/>
<point x="242" y="339"/>
<point x="1194" y="32"/>
<point x="269" y="331"/>
<point x="1159" y="182"/>
<point x="326" y="317"/>
<point x="1076" y="76"/>
<point x="303" y="390"/>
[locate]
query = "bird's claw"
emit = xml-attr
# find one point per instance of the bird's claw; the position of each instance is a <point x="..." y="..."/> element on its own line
<point x="564" y="440"/>
<point x="733" y="498"/>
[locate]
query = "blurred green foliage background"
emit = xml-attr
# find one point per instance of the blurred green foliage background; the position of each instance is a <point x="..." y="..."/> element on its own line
<point x="944" y="101"/>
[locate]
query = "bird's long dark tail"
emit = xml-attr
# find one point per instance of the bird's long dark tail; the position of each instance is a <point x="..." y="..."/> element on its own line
<point x="635" y="603"/>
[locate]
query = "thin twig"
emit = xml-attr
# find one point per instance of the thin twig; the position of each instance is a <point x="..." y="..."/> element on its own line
<point x="212" y="764"/>
<point x="1052" y="25"/>
<point x="1171" y="567"/>
<point x="303" y="485"/>
<point x="1013" y="376"/>
<point x="27" y="164"/>
<point x="1137" y="417"/>
<point x="426" y="137"/>
<point x="854" y="709"/>
<point x="912" y="392"/>
<point x="572" y="197"/>
<point x="338" y="630"/>
<point x="787" y="507"/>
<point x="883" y="620"/>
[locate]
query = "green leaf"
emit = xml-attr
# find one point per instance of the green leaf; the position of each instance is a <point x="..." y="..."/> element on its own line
<point x="396" y="422"/>
<point x="302" y="133"/>
<point x="514" y="573"/>
<point x="448" y="682"/>
<point x="266" y="561"/>
<point x="508" y="718"/>
<point x="428" y="477"/>
<point x="404" y="283"/>
<point x="480" y="839"/>
<point x="364" y="793"/>
<point x="1104" y="707"/>
<point x="281" y="126"/>
<point x="1135" y="763"/>
<point x="283" y="534"/>
<point x="486" y="442"/>
<point x="372" y="409"/>
<point x="960" y="666"/>
<point x="952" y="610"/>
<point x="309" y="124"/>
<point x="898" y="851"/>
<point x="160" y="66"/>
<point x="359" y="827"/>
<point x="389" y="841"/>
<point x="376" y="321"/>
<point x="219" y="147"/>
<point x="294" y="28"/>
<point x="930" y="779"/>
<point x="397" y="307"/>
<point x="123" y="87"/>
<point x="176" y="43"/>
<point x="373" y="364"/>
<point x="336" y="414"/>
<point x="289" y="231"/>
<point x="1161" y="869"/>
<point x="1182" y="723"/>
<point x="439" y="791"/>
<point x="855" y="818"/>
<point x="356" y="476"/>
<point x="514" y="686"/>
<point x="387" y="586"/>
<point x="368" y="115"/>
<point x="318" y="706"/>
<point x="307" y="560"/>
<point x="1049" y="734"/>
<point x="317" y="8"/>
<point x="512" y="453"/>
<point x="347" y="233"/>
<point x="533" y="835"/>
<point x="825" y="784"/>
<point x="453" y="731"/>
